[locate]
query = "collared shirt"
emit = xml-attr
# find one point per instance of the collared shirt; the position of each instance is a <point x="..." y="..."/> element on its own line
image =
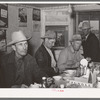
<point x="53" y="62"/>
<point x="67" y="57"/>
<point x="19" y="71"/>
<point x="86" y="36"/>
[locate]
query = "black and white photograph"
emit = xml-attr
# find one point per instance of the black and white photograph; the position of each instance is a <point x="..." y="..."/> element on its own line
<point x="50" y="48"/>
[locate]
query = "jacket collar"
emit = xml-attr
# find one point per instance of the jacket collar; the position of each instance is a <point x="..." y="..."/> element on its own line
<point x="11" y="58"/>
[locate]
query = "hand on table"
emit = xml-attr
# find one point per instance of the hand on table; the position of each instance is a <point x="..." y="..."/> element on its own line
<point x="50" y="81"/>
<point x="24" y="86"/>
<point x="88" y="59"/>
<point x="19" y="86"/>
<point x="35" y="85"/>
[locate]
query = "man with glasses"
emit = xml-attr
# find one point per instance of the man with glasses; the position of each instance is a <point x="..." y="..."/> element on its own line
<point x="45" y="56"/>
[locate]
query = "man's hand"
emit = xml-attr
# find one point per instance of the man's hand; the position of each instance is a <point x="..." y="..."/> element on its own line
<point x="88" y="59"/>
<point x="19" y="86"/>
<point x="56" y="69"/>
<point x="50" y="81"/>
<point x="24" y="86"/>
<point x="76" y="65"/>
<point x="70" y="62"/>
<point x="35" y="85"/>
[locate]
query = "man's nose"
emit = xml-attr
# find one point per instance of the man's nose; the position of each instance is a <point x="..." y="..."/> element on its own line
<point x="24" y="46"/>
<point x="53" y="44"/>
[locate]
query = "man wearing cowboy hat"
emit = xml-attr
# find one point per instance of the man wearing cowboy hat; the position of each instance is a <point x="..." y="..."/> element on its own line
<point x="90" y="44"/>
<point x="44" y="56"/>
<point x="19" y="69"/>
<point x="70" y="57"/>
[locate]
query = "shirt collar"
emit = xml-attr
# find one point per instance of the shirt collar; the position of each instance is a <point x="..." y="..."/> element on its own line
<point x="46" y="47"/>
<point x="87" y="36"/>
<point x="72" y="50"/>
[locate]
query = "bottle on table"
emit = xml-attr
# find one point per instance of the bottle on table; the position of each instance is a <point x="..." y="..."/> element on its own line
<point x="91" y="69"/>
<point x="44" y="82"/>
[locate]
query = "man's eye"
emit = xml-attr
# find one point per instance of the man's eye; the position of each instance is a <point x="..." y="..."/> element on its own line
<point x="20" y="44"/>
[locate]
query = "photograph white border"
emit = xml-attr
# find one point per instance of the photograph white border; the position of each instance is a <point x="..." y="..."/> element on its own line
<point x="49" y="93"/>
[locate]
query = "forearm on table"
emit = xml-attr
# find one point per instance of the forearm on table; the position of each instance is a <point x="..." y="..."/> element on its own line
<point x="66" y="66"/>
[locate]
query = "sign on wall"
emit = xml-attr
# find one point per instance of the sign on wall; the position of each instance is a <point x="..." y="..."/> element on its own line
<point x="56" y="17"/>
<point x="4" y="15"/>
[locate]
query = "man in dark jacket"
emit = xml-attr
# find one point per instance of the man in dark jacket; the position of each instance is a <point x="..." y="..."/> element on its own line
<point x="45" y="57"/>
<point x="2" y="43"/>
<point x="19" y="69"/>
<point x="90" y="44"/>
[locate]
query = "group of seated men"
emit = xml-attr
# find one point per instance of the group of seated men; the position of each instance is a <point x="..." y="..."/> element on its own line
<point x="19" y="69"/>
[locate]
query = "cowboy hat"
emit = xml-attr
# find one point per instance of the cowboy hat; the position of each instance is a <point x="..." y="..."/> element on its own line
<point x="49" y="34"/>
<point x="18" y="36"/>
<point x="76" y="37"/>
<point x="86" y="25"/>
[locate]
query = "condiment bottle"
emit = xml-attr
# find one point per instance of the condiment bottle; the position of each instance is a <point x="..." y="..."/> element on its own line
<point x="62" y="86"/>
<point x="44" y="82"/>
<point x="90" y="66"/>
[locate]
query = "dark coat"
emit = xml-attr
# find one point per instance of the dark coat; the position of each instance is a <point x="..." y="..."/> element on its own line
<point x="8" y="70"/>
<point x="91" y="47"/>
<point x="44" y="61"/>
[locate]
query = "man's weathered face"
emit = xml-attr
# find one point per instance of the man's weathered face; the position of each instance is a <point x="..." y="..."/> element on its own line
<point x="2" y="45"/>
<point x="21" y="48"/>
<point x="49" y="42"/>
<point x="86" y="31"/>
<point x="76" y="45"/>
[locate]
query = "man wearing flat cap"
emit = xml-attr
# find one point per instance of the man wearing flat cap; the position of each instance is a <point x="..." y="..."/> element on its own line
<point x="70" y="57"/>
<point x="18" y="68"/>
<point x="45" y="56"/>
<point x="91" y="46"/>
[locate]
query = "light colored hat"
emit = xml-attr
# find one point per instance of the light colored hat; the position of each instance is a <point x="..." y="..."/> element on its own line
<point x="76" y="37"/>
<point x="86" y="25"/>
<point x="17" y="37"/>
<point x="50" y="34"/>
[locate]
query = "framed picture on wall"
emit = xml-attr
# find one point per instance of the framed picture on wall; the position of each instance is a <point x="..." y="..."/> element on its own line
<point x="61" y="36"/>
<point x="36" y="14"/>
<point x="4" y="15"/>
<point x="22" y="15"/>
<point x="60" y="39"/>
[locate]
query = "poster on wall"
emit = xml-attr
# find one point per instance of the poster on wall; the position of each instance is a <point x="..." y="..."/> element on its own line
<point x="4" y="15"/>
<point x="36" y="14"/>
<point x="22" y="15"/>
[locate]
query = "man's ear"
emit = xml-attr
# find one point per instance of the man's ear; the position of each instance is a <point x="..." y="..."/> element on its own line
<point x="13" y="47"/>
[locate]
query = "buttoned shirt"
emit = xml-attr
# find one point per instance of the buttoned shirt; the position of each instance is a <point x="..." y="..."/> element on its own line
<point x="53" y="62"/>
<point x="19" y="71"/>
<point x="68" y="57"/>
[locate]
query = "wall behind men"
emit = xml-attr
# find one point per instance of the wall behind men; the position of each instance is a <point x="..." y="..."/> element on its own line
<point x="13" y="25"/>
